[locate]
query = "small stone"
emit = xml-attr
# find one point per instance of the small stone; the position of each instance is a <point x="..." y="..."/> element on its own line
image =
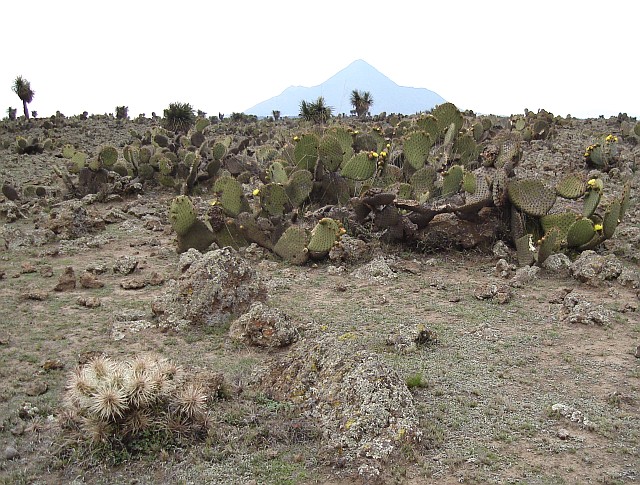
<point x="97" y="268"/>
<point x="637" y="352"/>
<point x="37" y="295"/>
<point x="125" y="265"/>
<point x="89" y="302"/>
<point x="46" y="271"/>
<point x="563" y="434"/>
<point x="156" y="279"/>
<point x="90" y="281"/>
<point x="52" y="364"/>
<point x="133" y="283"/>
<point x="18" y="429"/>
<point x="26" y="267"/>
<point x="37" y="388"/>
<point x="67" y="280"/>
<point x="10" y="453"/>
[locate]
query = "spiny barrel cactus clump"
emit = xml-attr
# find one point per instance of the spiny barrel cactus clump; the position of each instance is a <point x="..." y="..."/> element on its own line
<point x="119" y="402"/>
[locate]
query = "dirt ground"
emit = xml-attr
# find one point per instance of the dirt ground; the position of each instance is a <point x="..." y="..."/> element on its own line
<point x="510" y="393"/>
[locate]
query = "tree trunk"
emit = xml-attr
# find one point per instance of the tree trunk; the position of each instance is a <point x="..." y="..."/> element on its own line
<point x="26" y="110"/>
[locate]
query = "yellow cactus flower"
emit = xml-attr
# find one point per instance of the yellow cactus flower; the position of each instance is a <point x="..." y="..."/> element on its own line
<point x="296" y="138"/>
<point x="383" y="154"/>
<point x="591" y="183"/>
<point x="256" y="192"/>
<point x="598" y="227"/>
<point x="374" y="154"/>
<point x="388" y="145"/>
<point x="213" y="202"/>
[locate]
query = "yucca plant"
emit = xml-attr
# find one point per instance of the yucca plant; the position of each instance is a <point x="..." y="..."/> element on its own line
<point x="22" y="88"/>
<point x="11" y="113"/>
<point x="361" y="101"/>
<point x="179" y="117"/>
<point x="122" y="112"/>
<point x="316" y="111"/>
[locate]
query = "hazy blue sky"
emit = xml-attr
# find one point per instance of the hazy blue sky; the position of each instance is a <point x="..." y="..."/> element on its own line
<point x="569" y="57"/>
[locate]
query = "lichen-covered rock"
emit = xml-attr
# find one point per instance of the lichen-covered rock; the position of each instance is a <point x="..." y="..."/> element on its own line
<point x="524" y="275"/>
<point x="216" y="287"/>
<point x="362" y="405"/>
<point x="377" y="271"/>
<point x="350" y="250"/>
<point x="592" y="268"/>
<point x="558" y="263"/>
<point x="264" y="327"/>
<point x="489" y="291"/>
<point x="125" y="265"/>
<point x="577" y="310"/>
<point x="70" y="220"/>
<point x="187" y="258"/>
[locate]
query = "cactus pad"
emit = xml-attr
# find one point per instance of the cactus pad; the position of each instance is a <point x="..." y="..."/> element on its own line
<point x="611" y="219"/>
<point x="299" y="187"/>
<point x="591" y="201"/>
<point x="525" y="250"/>
<point x="273" y="199"/>
<point x="230" y="195"/>
<point x="452" y="180"/>
<point x="571" y="186"/>
<point x="549" y="244"/>
<point x="292" y="245"/>
<point x="277" y="174"/>
<point x="323" y="236"/>
<point x="580" y="233"/>
<point x="182" y="214"/>
<point x="330" y="153"/>
<point x="306" y="152"/>
<point x="531" y="196"/>
<point x="469" y="183"/>
<point x="416" y="149"/>
<point x="361" y="167"/>
<point x="424" y="180"/>
<point x="108" y="156"/>
<point x="447" y="113"/>
<point x="562" y="221"/>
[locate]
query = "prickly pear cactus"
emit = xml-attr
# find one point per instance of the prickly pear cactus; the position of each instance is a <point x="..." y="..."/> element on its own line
<point x="531" y="196"/>
<point x="306" y="152"/>
<point x="580" y="232"/>
<point x="292" y="245"/>
<point x="273" y="199"/>
<point x="182" y="214"/>
<point x="299" y="186"/>
<point x="549" y="244"/>
<point x="277" y="174"/>
<point x="330" y="153"/>
<point x="323" y="237"/>
<point x="447" y="113"/>
<point x="361" y="167"/>
<point x="416" y="149"/>
<point x="452" y="180"/>
<point x="230" y="195"/>
<point x="108" y="156"/>
<point x="571" y="186"/>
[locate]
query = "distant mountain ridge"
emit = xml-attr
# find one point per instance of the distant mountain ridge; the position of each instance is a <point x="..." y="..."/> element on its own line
<point x="387" y="95"/>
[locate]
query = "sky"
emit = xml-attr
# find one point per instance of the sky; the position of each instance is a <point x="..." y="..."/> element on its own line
<point x="493" y="57"/>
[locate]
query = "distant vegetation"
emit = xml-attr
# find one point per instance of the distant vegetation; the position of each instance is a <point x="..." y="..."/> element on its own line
<point x="316" y="111"/>
<point x="22" y="88"/>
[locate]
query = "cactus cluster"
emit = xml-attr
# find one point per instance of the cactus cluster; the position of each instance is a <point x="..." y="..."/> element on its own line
<point x="110" y="401"/>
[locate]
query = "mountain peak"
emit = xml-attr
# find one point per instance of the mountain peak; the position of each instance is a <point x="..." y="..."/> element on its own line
<point x="360" y="75"/>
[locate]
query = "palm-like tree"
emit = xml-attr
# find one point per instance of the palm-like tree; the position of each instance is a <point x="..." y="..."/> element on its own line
<point x="316" y="111"/>
<point x="22" y="88"/>
<point x="361" y="102"/>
